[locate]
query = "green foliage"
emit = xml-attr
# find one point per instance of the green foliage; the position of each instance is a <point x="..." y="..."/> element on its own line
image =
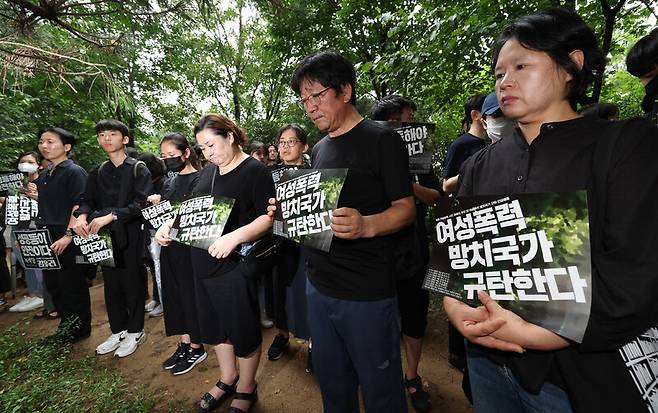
<point x="36" y="376"/>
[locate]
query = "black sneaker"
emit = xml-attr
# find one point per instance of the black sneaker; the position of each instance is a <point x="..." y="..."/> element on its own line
<point x="181" y="351"/>
<point x="309" y="362"/>
<point x="278" y="346"/>
<point x="193" y="357"/>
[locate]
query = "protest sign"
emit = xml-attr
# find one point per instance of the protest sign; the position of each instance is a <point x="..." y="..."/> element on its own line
<point x="530" y="252"/>
<point x="97" y="249"/>
<point x="34" y="246"/>
<point x="416" y="136"/>
<point x="11" y="180"/>
<point x="158" y="214"/>
<point x="20" y="209"/>
<point x="200" y="220"/>
<point x="306" y="199"/>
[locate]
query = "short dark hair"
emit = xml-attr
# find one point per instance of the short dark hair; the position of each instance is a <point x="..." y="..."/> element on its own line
<point x="557" y="33"/>
<point x="329" y="68"/>
<point x="600" y="110"/>
<point x="299" y="131"/>
<point x="33" y="154"/>
<point x="473" y="103"/>
<point x="65" y="136"/>
<point x="112" y="124"/>
<point x="154" y="164"/>
<point x="131" y="152"/>
<point x="181" y="143"/>
<point x="221" y="125"/>
<point x="643" y="56"/>
<point x="391" y="107"/>
<point x="255" y="146"/>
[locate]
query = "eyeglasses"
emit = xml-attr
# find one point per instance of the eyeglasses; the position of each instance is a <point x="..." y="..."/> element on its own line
<point x="288" y="144"/>
<point x="314" y="99"/>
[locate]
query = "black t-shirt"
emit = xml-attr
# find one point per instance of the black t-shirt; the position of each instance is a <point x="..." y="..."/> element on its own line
<point x="459" y="151"/>
<point x="361" y="269"/>
<point x="60" y="187"/>
<point x="179" y="186"/>
<point x="624" y="269"/>
<point x="251" y="185"/>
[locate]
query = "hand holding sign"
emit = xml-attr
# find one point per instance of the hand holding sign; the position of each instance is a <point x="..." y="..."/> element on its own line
<point x="224" y="246"/>
<point x="271" y="209"/>
<point x="80" y="227"/>
<point x="348" y="223"/>
<point x="162" y="235"/>
<point x="98" y="223"/>
<point x="60" y="245"/>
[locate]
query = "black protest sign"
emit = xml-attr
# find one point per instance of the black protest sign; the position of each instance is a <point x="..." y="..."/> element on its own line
<point x="20" y="209"/>
<point x="529" y="252"/>
<point x="34" y="246"/>
<point x="200" y="220"/>
<point x="158" y="214"/>
<point x="96" y="249"/>
<point x="416" y="136"/>
<point x="11" y="180"/>
<point x="306" y="199"/>
<point x="278" y="173"/>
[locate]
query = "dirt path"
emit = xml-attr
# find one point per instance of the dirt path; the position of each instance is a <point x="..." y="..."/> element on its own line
<point x="283" y="385"/>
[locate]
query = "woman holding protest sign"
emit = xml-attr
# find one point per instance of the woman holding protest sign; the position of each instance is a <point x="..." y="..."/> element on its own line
<point x="543" y="65"/>
<point x="225" y="291"/>
<point x="178" y="292"/>
<point x="289" y="275"/>
<point x="60" y="187"/>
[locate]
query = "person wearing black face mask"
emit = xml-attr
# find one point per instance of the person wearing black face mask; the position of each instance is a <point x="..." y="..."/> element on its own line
<point x="642" y="62"/>
<point x="178" y="292"/>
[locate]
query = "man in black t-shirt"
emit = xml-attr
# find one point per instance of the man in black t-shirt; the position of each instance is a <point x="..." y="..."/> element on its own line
<point x="352" y="291"/>
<point x="466" y="144"/>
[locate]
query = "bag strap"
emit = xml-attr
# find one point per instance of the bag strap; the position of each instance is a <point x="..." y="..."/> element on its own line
<point x="601" y="166"/>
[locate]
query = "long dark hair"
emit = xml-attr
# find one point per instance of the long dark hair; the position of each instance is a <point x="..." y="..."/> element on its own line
<point x="181" y="143"/>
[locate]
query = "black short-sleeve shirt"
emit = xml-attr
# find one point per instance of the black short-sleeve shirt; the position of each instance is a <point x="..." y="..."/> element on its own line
<point x="624" y="267"/>
<point x="60" y="188"/>
<point x="251" y="185"/>
<point x="459" y="151"/>
<point x="361" y="269"/>
<point x="179" y="186"/>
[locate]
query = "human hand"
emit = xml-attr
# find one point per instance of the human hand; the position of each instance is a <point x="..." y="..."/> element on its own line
<point x="223" y="246"/>
<point x="80" y="227"/>
<point x="348" y="223"/>
<point x="98" y="223"/>
<point x="477" y="325"/>
<point x="162" y="236"/>
<point x="154" y="199"/>
<point x="271" y="209"/>
<point x="60" y="245"/>
<point x="31" y="190"/>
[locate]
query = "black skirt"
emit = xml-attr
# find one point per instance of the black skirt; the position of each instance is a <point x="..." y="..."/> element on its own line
<point x="178" y="292"/>
<point x="228" y="311"/>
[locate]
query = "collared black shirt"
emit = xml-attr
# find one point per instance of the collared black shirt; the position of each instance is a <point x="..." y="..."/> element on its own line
<point x="104" y="184"/>
<point x="60" y="188"/>
<point x="624" y="266"/>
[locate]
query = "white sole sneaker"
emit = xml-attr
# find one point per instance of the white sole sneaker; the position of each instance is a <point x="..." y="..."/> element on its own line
<point x="132" y="348"/>
<point x="101" y="351"/>
<point x="190" y="367"/>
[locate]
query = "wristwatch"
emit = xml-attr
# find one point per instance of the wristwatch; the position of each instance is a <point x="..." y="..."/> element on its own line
<point x="68" y="232"/>
<point x="114" y="216"/>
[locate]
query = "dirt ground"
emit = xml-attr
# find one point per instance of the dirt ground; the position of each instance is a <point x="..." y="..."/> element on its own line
<point x="283" y="385"/>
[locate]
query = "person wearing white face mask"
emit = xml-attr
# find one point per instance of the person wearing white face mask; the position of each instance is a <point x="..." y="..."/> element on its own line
<point x="28" y="163"/>
<point x="495" y="123"/>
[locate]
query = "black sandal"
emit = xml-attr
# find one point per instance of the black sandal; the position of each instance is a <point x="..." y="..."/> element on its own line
<point x="420" y="399"/>
<point x="209" y="403"/>
<point x="250" y="397"/>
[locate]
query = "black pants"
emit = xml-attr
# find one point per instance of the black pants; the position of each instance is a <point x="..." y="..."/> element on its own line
<point x="68" y="288"/>
<point x="287" y="261"/>
<point x="124" y="287"/>
<point x="178" y="292"/>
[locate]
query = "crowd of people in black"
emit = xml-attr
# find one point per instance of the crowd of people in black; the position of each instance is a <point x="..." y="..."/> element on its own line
<point x="359" y="306"/>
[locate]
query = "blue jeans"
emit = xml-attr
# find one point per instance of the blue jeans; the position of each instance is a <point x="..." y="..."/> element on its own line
<point x="495" y="389"/>
<point x="356" y="342"/>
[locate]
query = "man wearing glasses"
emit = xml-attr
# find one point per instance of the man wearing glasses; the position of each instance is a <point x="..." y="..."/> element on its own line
<point x="352" y="289"/>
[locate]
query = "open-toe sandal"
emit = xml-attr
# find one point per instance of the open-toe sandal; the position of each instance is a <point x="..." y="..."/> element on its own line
<point x="420" y="399"/>
<point x="209" y="403"/>
<point x="250" y="397"/>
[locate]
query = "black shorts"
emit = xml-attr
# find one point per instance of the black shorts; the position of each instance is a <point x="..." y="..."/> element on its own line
<point x="227" y="306"/>
<point x="413" y="302"/>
